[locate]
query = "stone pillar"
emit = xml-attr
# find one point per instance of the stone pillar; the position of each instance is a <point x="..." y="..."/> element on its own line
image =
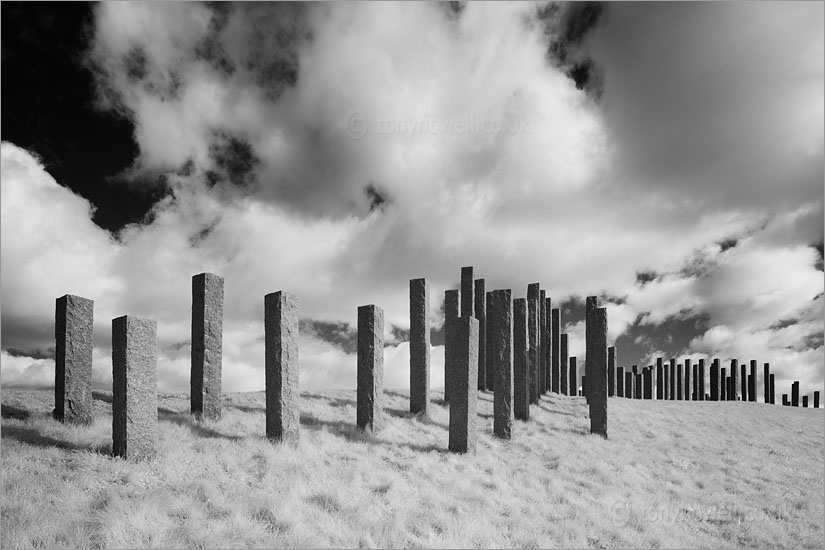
<point x="648" y="382"/>
<point x="659" y="381"/>
<point x="795" y="394"/>
<point x="766" y="383"/>
<point x="723" y="388"/>
<point x="714" y="381"/>
<point x="450" y="317"/>
<point x="207" y="345"/>
<point x="134" y="387"/>
<point x="370" y="397"/>
<point x="499" y="344"/>
<point x="672" y="377"/>
<point x="772" y="394"/>
<point x="700" y="381"/>
<point x="752" y="382"/>
<point x="805" y="401"/>
<point x="628" y="385"/>
<point x="465" y="388"/>
<point x="597" y="371"/>
<point x="611" y="371"/>
<point x="743" y="382"/>
<point x="283" y="410"/>
<point x="816" y="399"/>
<point x="555" y="337"/>
<point x="563" y="363"/>
<point x="74" y="341"/>
<point x="467" y="296"/>
<point x="785" y="402"/>
<point x="688" y="386"/>
<point x="583" y="391"/>
<point x="695" y="382"/>
<point x="638" y="385"/>
<point x="679" y="391"/>
<point x="574" y="378"/>
<point x="490" y="375"/>
<point x="733" y="394"/>
<point x="521" y="379"/>
<point x="481" y="316"/>
<point x="533" y="337"/>
<point x="419" y="346"/>
<point x="542" y="342"/>
<point x="619" y="381"/>
<point x="548" y="344"/>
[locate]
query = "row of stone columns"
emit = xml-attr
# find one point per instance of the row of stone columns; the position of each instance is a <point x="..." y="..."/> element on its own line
<point x="794" y="400"/>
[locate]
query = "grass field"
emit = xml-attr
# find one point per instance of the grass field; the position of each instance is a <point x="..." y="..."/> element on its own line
<point x="672" y="474"/>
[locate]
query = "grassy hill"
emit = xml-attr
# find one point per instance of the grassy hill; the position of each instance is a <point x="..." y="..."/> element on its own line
<point x="672" y="474"/>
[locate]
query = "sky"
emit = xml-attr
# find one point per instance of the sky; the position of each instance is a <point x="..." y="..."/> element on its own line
<point x="667" y="157"/>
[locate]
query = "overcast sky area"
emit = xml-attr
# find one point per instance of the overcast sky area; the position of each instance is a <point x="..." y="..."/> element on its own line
<point x="667" y="157"/>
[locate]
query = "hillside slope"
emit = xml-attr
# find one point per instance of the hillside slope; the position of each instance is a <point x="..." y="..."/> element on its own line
<point x="672" y="474"/>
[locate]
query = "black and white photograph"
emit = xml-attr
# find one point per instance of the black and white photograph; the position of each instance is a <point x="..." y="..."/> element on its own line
<point x="417" y="274"/>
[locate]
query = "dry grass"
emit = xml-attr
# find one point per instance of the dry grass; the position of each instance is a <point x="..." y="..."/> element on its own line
<point x="671" y="475"/>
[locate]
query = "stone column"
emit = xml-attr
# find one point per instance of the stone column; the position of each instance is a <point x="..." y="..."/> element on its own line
<point x="555" y="336"/>
<point x="521" y="379"/>
<point x="661" y="379"/>
<point x="499" y="344"/>
<point x="283" y="410"/>
<point x="752" y="382"/>
<point x="583" y="391"/>
<point x="574" y="378"/>
<point x="419" y="346"/>
<point x="628" y="385"/>
<point x="548" y="344"/>
<point x="370" y="397"/>
<point x="695" y="382"/>
<point x="714" y="381"/>
<point x="805" y="401"/>
<point x="700" y="380"/>
<point x="597" y="371"/>
<point x="680" y="395"/>
<point x="542" y="342"/>
<point x="672" y="379"/>
<point x="465" y="388"/>
<point x="450" y="316"/>
<point x="467" y="296"/>
<point x="638" y="386"/>
<point x="743" y="381"/>
<point x="207" y="346"/>
<point x="563" y="363"/>
<point x="619" y="381"/>
<point x="773" y="391"/>
<point x="481" y="316"/>
<point x="490" y="375"/>
<point x="134" y="387"/>
<point x="74" y="341"/>
<point x="688" y="386"/>
<point x="533" y="338"/>
<point x="648" y="382"/>
<point x="733" y="394"/>
<point x="785" y="402"/>
<point x="611" y="371"/>
<point x="590" y="304"/>
<point x="723" y="386"/>
<point x="816" y="399"/>
<point x="766" y="383"/>
<point x="795" y="394"/>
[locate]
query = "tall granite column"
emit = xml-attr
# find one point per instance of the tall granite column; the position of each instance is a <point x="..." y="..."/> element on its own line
<point x="74" y="341"/>
<point x="481" y="315"/>
<point x="490" y="375"/>
<point x="816" y="399"/>
<point x="661" y="374"/>
<point x="555" y="337"/>
<point x="743" y="381"/>
<point x="733" y="394"/>
<point x="723" y="384"/>
<point x="680" y="395"/>
<point x="611" y="371"/>
<point x="597" y="371"/>
<point x="773" y="391"/>
<point x="672" y="376"/>
<point x="499" y="344"/>
<point x="628" y="385"/>
<point x="548" y="344"/>
<point x="463" y="403"/>
<point x="590" y="304"/>
<point x="370" y="397"/>
<point x="521" y="378"/>
<point x="805" y="401"/>
<point x="574" y="378"/>
<point x="714" y="381"/>
<point x="134" y="387"/>
<point x="752" y="382"/>
<point x="533" y="339"/>
<point x="542" y="342"/>
<point x="638" y="385"/>
<point x="467" y="296"/>
<point x="700" y="383"/>
<point x="785" y="402"/>
<point x="450" y="317"/>
<point x="207" y="346"/>
<point x="283" y="410"/>
<point x="795" y="394"/>
<point x="688" y="386"/>
<point x="619" y="381"/>
<point x="695" y="382"/>
<point x="647" y="380"/>
<point x="419" y="346"/>
<point x="766" y="382"/>
<point x="563" y="363"/>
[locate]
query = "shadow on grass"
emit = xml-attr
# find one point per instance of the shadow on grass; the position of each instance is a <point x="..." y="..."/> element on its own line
<point x="31" y="436"/>
<point x="7" y="411"/>
<point x="187" y="420"/>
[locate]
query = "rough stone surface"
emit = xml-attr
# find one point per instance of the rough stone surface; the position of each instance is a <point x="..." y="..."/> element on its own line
<point x="467" y="296"/>
<point x="611" y="371"/>
<point x="714" y="381"/>
<point x="733" y="392"/>
<point x="766" y="382"/>
<point x="555" y="351"/>
<point x="574" y="378"/>
<point x="752" y="382"/>
<point x="563" y="363"/>
<point x="584" y="385"/>
<point x="499" y="344"/>
<point x="619" y="381"/>
<point x="628" y="385"/>
<point x="773" y="390"/>
<point x="134" y="387"/>
<point x="533" y="339"/>
<point x="283" y="410"/>
<point x="542" y="342"/>
<point x="648" y="382"/>
<point x="638" y="385"/>
<point x="672" y="378"/>
<point x="450" y="317"/>
<point x="701" y="379"/>
<point x="590" y="304"/>
<point x="743" y="380"/>
<point x="659" y="382"/>
<point x="696" y="382"/>
<point x="74" y="341"/>
<point x="490" y="375"/>
<point x="463" y="404"/>
<point x="521" y="379"/>
<point x="795" y="394"/>
<point x="597" y="370"/>
<point x="419" y="346"/>
<point x="481" y="316"/>
<point x="369" y="408"/>
<point x="207" y="346"/>
<point x="688" y="382"/>
<point x="679" y="391"/>
<point x="548" y="344"/>
<point x="723" y="386"/>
